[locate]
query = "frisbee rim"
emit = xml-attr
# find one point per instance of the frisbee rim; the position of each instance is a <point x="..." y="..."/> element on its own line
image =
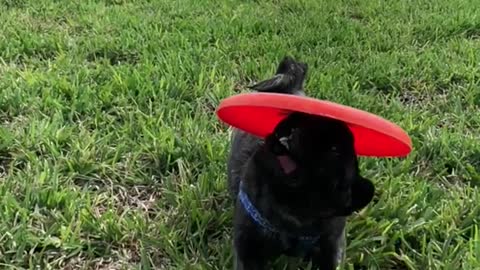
<point x="352" y="117"/>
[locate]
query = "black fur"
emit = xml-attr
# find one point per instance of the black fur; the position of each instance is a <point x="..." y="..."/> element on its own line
<point x="288" y="79"/>
<point x="315" y="198"/>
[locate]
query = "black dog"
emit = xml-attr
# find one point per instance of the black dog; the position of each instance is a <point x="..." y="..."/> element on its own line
<point x="295" y="189"/>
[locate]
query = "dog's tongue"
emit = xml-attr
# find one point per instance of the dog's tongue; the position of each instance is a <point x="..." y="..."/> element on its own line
<point x="288" y="165"/>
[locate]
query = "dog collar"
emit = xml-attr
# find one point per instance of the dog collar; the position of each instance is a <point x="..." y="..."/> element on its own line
<point x="253" y="212"/>
<point x="304" y="243"/>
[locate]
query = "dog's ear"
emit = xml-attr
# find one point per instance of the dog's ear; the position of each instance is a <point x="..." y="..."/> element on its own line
<point x="363" y="191"/>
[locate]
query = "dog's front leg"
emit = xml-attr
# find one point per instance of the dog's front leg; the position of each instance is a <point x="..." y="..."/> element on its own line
<point x="242" y="263"/>
<point x="329" y="254"/>
<point x="251" y="250"/>
<point x="324" y="261"/>
<point x="248" y="255"/>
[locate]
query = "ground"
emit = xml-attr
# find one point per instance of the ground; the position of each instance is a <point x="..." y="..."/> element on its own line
<point x="111" y="156"/>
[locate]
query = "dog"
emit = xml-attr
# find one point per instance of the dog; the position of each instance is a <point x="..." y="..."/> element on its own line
<point x="294" y="190"/>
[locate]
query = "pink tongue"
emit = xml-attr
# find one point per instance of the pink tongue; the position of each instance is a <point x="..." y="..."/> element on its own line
<point x="288" y="165"/>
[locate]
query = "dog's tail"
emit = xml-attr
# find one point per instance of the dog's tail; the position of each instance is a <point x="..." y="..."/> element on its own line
<point x="289" y="78"/>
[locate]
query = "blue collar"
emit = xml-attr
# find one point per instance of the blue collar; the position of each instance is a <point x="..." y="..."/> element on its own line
<point x="304" y="242"/>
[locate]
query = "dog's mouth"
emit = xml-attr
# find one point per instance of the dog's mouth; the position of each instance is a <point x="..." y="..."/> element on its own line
<point x="287" y="163"/>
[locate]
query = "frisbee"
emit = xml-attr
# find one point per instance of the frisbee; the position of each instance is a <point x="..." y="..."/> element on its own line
<point x="259" y="114"/>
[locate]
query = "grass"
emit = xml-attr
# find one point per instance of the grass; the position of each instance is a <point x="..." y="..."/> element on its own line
<point x="111" y="156"/>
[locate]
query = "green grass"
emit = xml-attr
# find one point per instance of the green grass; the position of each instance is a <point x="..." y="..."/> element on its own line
<point x="111" y="156"/>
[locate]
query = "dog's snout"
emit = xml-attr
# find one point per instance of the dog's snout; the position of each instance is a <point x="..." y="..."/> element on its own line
<point x="284" y="142"/>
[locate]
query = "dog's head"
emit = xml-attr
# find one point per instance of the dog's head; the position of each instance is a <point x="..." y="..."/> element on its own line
<point x="312" y="168"/>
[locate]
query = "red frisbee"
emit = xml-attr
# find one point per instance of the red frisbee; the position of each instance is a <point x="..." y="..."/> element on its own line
<point x="259" y="114"/>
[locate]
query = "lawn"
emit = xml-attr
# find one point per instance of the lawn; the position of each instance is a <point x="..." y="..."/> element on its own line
<point x="111" y="156"/>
